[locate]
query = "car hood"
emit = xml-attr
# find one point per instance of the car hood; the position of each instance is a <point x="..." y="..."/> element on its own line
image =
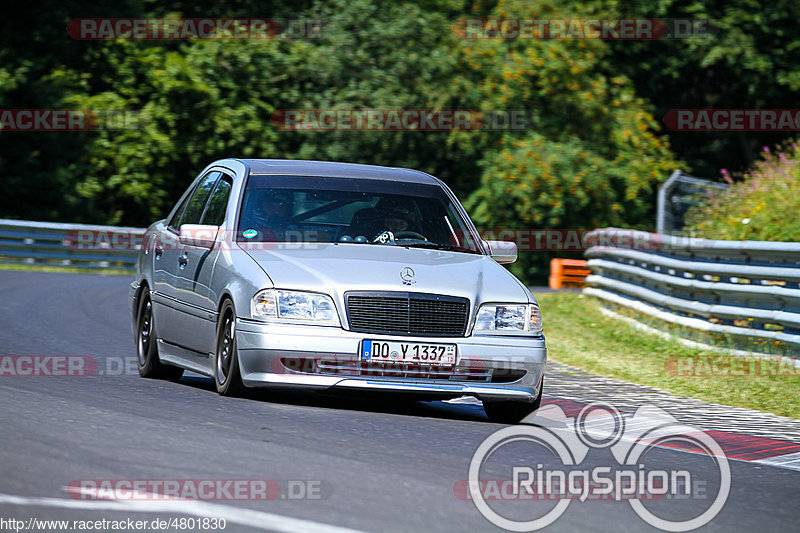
<point x="337" y="268"/>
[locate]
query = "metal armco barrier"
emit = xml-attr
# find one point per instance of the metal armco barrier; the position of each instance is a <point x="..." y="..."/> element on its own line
<point x="567" y="273"/>
<point x="69" y="245"/>
<point x="746" y="291"/>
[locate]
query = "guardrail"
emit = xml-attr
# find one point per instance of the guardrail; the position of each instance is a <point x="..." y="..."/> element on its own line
<point x="743" y="294"/>
<point x="69" y="245"/>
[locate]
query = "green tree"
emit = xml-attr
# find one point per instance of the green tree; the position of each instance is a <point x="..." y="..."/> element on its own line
<point x="749" y="58"/>
<point x="592" y="157"/>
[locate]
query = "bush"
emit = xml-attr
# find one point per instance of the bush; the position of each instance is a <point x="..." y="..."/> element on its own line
<point x="764" y="205"/>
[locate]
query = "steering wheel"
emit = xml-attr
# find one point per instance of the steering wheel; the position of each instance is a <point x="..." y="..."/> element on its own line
<point x="409" y="235"/>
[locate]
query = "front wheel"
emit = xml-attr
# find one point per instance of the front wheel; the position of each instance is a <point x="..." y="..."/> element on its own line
<point x="146" y="350"/>
<point x="227" y="377"/>
<point x="512" y="412"/>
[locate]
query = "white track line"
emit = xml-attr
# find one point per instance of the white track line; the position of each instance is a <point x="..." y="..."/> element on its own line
<point x="238" y="515"/>
<point x="790" y="461"/>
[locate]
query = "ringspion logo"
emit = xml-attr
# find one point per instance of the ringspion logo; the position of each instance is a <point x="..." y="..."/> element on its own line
<point x="562" y="477"/>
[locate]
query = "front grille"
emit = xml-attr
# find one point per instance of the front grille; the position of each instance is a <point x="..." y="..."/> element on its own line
<point x="407" y="313"/>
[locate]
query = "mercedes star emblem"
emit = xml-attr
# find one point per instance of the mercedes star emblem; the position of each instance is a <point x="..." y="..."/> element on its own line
<point x="407" y="275"/>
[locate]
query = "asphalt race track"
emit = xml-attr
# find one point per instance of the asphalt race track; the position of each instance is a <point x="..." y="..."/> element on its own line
<point x="337" y="464"/>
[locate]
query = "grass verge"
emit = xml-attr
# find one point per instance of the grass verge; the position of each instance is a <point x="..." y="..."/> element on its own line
<point x="578" y="334"/>
<point x="66" y="270"/>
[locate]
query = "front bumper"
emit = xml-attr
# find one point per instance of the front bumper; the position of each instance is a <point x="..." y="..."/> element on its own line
<point x="508" y="368"/>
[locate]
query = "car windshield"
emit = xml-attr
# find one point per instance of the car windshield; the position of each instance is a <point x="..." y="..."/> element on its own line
<point x="347" y="210"/>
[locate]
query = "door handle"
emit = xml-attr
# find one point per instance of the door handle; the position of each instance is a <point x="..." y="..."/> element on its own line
<point x="182" y="261"/>
<point x="158" y="251"/>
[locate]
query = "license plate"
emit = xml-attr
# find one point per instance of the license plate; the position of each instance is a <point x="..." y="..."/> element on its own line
<point x="408" y="352"/>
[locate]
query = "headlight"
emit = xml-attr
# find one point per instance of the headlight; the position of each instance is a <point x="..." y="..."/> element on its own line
<point x="294" y="306"/>
<point x="503" y="319"/>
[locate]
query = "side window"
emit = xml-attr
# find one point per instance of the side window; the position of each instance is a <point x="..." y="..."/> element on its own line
<point x="215" y="211"/>
<point x="173" y="222"/>
<point x="194" y="209"/>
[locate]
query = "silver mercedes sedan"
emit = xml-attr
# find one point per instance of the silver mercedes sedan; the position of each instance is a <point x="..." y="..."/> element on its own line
<point x="336" y="277"/>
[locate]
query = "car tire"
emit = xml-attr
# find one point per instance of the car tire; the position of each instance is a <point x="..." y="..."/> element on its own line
<point x="227" y="376"/>
<point x="147" y="361"/>
<point x="512" y="412"/>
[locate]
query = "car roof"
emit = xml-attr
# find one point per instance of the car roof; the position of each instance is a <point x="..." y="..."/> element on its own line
<point x="289" y="167"/>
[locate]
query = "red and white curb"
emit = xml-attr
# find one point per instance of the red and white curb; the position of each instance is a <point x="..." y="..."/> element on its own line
<point x="739" y="447"/>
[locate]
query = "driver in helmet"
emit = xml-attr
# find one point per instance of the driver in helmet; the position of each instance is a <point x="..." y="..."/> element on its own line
<point x="272" y="212"/>
<point x="396" y="220"/>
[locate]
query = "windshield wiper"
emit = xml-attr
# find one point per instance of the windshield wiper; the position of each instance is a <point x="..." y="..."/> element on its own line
<point x="436" y="246"/>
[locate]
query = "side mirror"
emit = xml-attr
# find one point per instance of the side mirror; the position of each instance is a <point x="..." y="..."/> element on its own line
<point x="503" y="252"/>
<point x="200" y="235"/>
